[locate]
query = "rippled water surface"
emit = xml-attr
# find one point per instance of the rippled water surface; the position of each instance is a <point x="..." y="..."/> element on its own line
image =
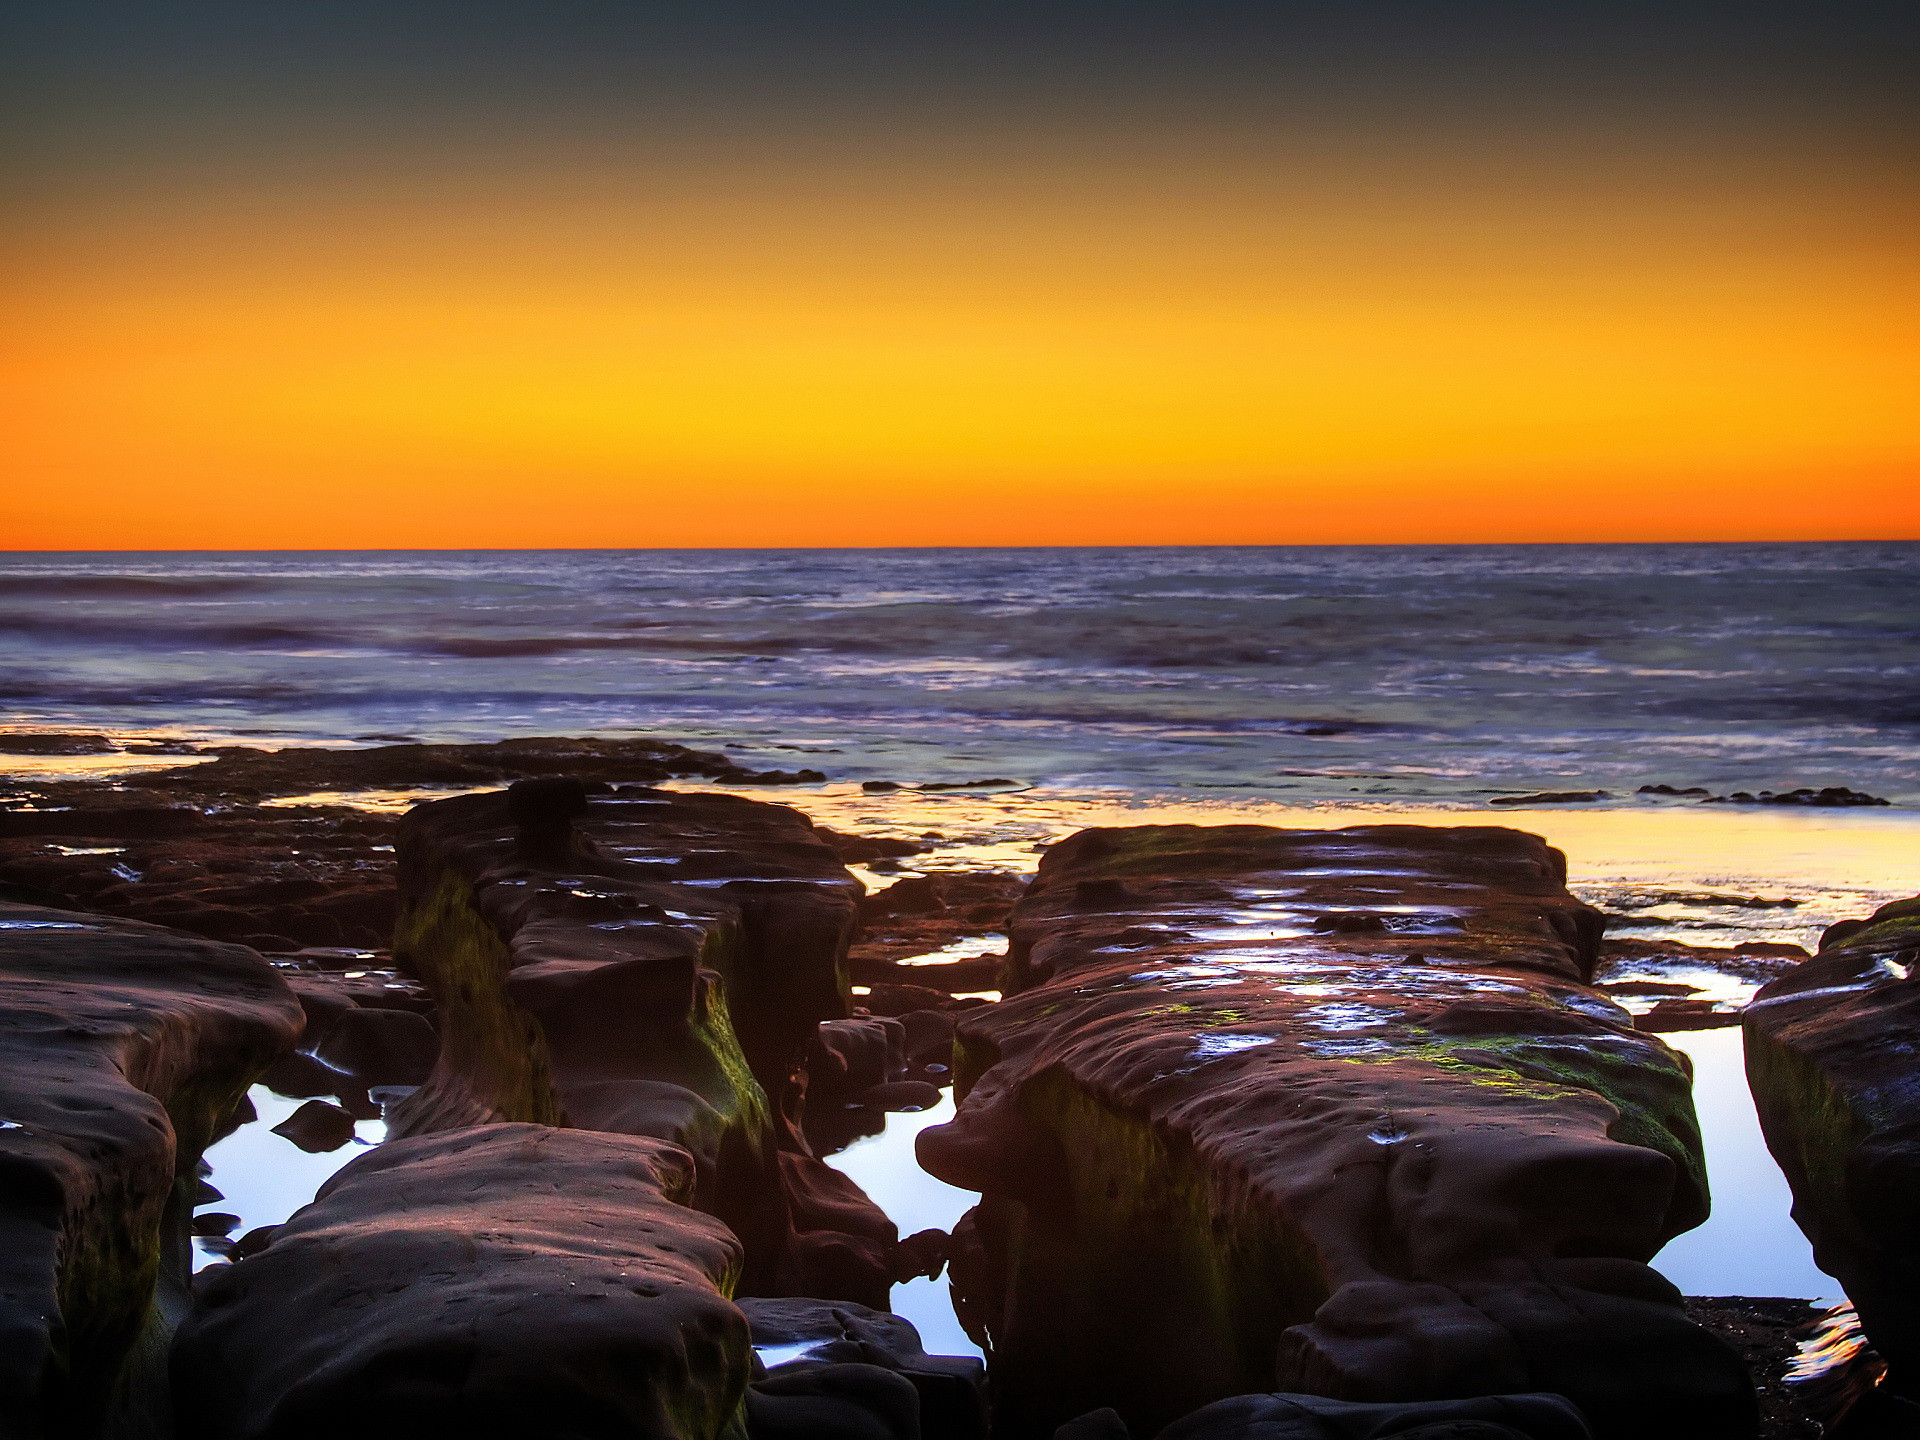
<point x="1435" y="672"/>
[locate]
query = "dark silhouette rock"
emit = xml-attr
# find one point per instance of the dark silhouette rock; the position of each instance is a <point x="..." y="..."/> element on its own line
<point x="379" y="1047"/>
<point x="854" y="848"/>
<point x="808" y="1336"/>
<point x="58" y="743"/>
<point x="300" y="1077"/>
<point x="503" y="1281"/>
<point x="317" y="1127"/>
<point x="1552" y="797"/>
<point x="1677" y="1013"/>
<point x="658" y="966"/>
<point x="1310" y="1417"/>
<point x="834" y="1402"/>
<point x="124" y="1050"/>
<point x="923" y="1253"/>
<point x="929" y="1037"/>
<point x="772" y="777"/>
<point x="915" y="895"/>
<point x="1405" y="1163"/>
<point x="846" y="1057"/>
<point x="303" y="769"/>
<point x="902" y="1095"/>
<point x="254" y="1241"/>
<point x="1832" y="1059"/>
<point x="1102" y="1424"/>
<point x="1831" y="796"/>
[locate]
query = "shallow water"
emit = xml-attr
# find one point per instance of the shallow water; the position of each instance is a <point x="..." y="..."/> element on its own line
<point x="1749" y="1245"/>
<point x="266" y="1177"/>
<point x="884" y="1166"/>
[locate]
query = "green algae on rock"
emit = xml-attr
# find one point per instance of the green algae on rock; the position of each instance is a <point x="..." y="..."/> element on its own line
<point x="645" y="963"/>
<point x="124" y="1051"/>
<point x="1326" y="1111"/>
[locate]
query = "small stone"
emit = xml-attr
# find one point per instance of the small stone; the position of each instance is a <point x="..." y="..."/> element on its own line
<point x="317" y="1127"/>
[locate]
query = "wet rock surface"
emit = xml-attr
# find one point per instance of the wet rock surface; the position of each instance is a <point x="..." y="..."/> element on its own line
<point x="214" y="846"/>
<point x="1671" y="987"/>
<point x="798" y="1338"/>
<point x="1829" y="796"/>
<point x="954" y="920"/>
<point x="124" y="1051"/>
<point x="506" y="1280"/>
<point x="645" y="963"/>
<point x="1334" y="1112"/>
<point x="208" y="848"/>
<point x="1767" y="1331"/>
<point x="277" y="879"/>
<point x="1833" y="1056"/>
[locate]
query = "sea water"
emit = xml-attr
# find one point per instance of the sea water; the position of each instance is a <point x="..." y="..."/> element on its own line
<point x="1400" y="672"/>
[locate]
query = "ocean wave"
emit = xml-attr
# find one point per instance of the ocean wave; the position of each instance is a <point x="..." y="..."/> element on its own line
<point x="123" y="630"/>
<point x="136" y="586"/>
<point x="1556" y="667"/>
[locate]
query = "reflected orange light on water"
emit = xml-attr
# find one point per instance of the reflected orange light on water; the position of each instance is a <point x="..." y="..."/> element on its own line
<point x="1827" y="858"/>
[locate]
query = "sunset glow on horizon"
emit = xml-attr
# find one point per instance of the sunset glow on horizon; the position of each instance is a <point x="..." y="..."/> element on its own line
<point x="866" y="323"/>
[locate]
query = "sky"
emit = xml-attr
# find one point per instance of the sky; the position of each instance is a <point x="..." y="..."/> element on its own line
<point x="404" y="275"/>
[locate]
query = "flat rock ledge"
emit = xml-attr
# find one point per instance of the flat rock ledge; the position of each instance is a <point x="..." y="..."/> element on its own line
<point x="646" y="963"/>
<point x="124" y="1052"/>
<point x="1833" y="1056"/>
<point x="505" y="1280"/>
<point x="1333" y="1112"/>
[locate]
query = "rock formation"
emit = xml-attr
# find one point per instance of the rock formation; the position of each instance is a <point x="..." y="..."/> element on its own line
<point x="1310" y="1417"/>
<point x="662" y="978"/>
<point x="1332" y="1112"/>
<point x="501" y="1281"/>
<point x="260" y="846"/>
<point x="124" y="1050"/>
<point x="799" y="1339"/>
<point x="1833" y="1056"/>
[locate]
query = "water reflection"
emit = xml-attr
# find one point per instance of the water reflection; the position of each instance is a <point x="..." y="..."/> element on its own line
<point x="1749" y="1245"/>
<point x="884" y="1166"/>
<point x="265" y="1177"/>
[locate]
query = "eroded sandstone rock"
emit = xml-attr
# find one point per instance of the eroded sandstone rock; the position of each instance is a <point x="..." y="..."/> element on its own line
<point x="124" y="1048"/>
<point x="648" y="963"/>
<point x="212" y="847"/>
<point x="1332" y="1112"/>
<point x="503" y="1281"/>
<point x="799" y="1339"/>
<point x="1833" y="1056"/>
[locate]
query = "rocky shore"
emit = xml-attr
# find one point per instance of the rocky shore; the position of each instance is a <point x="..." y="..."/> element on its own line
<point x="1320" y="1135"/>
<point x="1346" y="1105"/>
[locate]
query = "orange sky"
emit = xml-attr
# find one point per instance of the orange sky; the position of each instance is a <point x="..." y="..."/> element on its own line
<point x="1043" y="341"/>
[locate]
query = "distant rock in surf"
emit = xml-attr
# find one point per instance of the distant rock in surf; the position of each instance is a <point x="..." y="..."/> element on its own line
<point x="1552" y="797"/>
<point x="55" y="744"/>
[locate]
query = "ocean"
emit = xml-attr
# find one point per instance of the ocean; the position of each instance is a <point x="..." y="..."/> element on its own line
<point x="1442" y="674"/>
